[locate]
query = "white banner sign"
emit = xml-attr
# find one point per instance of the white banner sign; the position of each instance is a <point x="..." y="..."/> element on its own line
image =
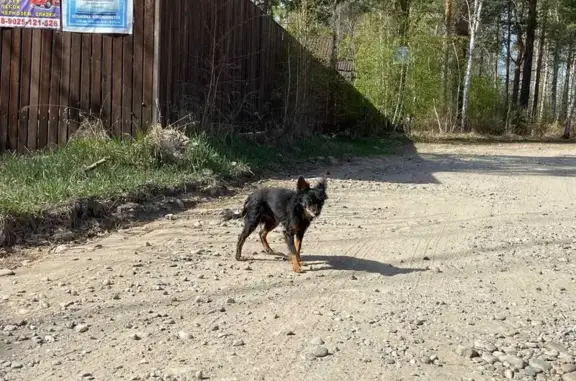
<point x="98" y="16"/>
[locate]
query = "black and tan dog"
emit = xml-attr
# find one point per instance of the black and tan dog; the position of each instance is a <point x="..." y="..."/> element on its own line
<point x="270" y="207"/>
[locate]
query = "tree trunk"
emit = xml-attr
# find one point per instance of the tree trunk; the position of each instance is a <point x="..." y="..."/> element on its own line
<point x="568" y="126"/>
<point x="497" y="55"/>
<point x="539" y="63"/>
<point x="517" y="73"/>
<point x="564" y="108"/>
<point x="475" y="15"/>
<point x="528" y="54"/>
<point x="331" y="112"/>
<point x="508" y="59"/>
<point x="554" y="86"/>
<point x="544" y="91"/>
<point x="462" y="32"/>
<point x="403" y="29"/>
<point x="446" y="93"/>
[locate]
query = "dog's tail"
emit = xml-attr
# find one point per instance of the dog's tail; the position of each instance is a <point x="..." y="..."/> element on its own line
<point x="229" y="214"/>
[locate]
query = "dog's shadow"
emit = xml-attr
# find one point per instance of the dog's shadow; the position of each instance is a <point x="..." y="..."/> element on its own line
<point x="347" y="263"/>
<point x="344" y="263"/>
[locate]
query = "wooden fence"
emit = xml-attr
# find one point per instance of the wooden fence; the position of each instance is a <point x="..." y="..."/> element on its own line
<point x="222" y="63"/>
<point x="51" y="80"/>
<point x="231" y="67"/>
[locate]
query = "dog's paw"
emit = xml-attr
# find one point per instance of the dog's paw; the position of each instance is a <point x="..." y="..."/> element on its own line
<point x="297" y="269"/>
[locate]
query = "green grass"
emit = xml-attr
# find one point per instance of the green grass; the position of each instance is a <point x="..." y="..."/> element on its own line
<point x="43" y="179"/>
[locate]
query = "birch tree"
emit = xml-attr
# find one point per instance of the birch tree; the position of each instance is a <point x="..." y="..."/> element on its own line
<point x="474" y="15"/>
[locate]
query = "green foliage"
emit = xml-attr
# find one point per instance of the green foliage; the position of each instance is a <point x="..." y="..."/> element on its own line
<point x="486" y="109"/>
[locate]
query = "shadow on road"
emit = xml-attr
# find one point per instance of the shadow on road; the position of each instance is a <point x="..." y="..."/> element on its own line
<point x="347" y="263"/>
<point x="412" y="167"/>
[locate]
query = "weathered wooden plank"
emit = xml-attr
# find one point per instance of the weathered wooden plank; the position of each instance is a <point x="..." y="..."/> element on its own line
<point x="127" y="89"/>
<point x="117" y="62"/>
<point x="25" y="78"/>
<point x="64" y="97"/>
<point x="96" y="77"/>
<point x="138" y="78"/>
<point x="106" y="86"/>
<point x="54" y="97"/>
<point x="14" y="89"/>
<point x="5" y="87"/>
<point x="35" y="70"/>
<point x="44" y="87"/>
<point x="148" y="86"/>
<point x="75" y="75"/>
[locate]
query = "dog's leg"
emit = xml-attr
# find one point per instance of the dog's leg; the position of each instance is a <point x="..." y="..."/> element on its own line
<point x="268" y="227"/>
<point x="289" y="237"/>
<point x="298" y="244"/>
<point x="249" y="226"/>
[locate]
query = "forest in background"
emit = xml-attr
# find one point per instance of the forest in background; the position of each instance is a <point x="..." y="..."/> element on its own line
<point x="484" y="66"/>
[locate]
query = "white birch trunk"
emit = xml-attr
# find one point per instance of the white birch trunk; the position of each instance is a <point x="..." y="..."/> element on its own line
<point x="568" y="126"/>
<point x="474" y="15"/>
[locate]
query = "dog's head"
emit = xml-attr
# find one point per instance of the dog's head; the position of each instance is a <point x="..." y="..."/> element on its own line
<point x="312" y="198"/>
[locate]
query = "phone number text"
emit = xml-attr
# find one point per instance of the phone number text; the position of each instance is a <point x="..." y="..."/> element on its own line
<point x="28" y="22"/>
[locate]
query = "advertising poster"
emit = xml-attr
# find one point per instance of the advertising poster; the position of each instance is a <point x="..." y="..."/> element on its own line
<point x="97" y="16"/>
<point x="30" y="14"/>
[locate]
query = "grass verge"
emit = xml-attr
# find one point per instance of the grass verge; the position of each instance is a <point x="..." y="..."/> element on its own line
<point x="44" y="192"/>
<point x="39" y="180"/>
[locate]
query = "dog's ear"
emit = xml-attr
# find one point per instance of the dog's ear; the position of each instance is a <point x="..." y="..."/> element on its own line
<point x="302" y="184"/>
<point x="322" y="184"/>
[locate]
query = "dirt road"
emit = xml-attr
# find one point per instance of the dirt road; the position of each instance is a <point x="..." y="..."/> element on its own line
<point x="449" y="263"/>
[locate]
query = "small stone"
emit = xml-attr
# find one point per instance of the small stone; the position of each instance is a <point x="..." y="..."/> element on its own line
<point x="353" y="277"/>
<point x="509" y="374"/>
<point x="514" y="361"/>
<point x="6" y="272"/>
<point x="540" y="364"/>
<point x="9" y="328"/>
<point x="199" y="375"/>
<point x="485" y="346"/>
<point x="135" y="336"/>
<point x="557" y="347"/>
<point x="466" y="352"/>
<point x="568" y="368"/>
<point x="426" y="360"/>
<point x="317" y="341"/>
<point x="70" y="324"/>
<point x="230" y="301"/>
<point x="184" y="335"/>
<point x="319" y="351"/>
<point x="551" y="355"/>
<point x="81" y="328"/>
<point x="16" y="365"/>
<point x="490" y="359"/>
<point x="529" y="371"/>
<point x="238" y="343"/>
